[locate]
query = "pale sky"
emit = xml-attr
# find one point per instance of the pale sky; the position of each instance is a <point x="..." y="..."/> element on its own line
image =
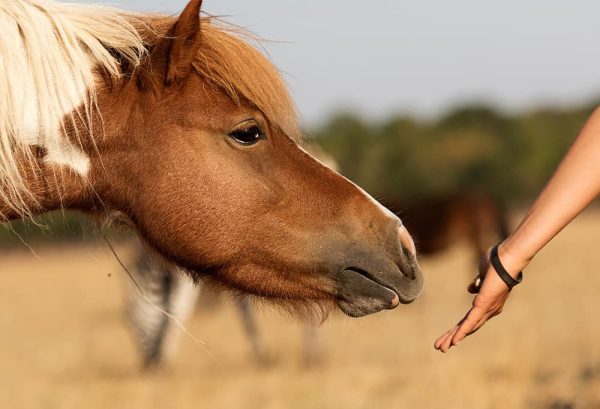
<point x="423" y="57"/>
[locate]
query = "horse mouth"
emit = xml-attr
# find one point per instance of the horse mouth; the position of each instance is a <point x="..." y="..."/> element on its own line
<point x="360" y="292"/>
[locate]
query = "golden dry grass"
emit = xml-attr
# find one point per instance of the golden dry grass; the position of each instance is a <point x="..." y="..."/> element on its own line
<point x="64" y="344"/>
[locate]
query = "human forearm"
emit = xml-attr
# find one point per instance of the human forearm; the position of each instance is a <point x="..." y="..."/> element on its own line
<point x="574" y="185"/>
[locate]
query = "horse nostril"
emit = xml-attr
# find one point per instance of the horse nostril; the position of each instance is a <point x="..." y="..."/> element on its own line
<point x="409" y="264"/>
<point x="406" y="240"/>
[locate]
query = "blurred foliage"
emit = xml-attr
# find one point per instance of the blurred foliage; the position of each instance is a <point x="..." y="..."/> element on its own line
<point x="470" y="148"/>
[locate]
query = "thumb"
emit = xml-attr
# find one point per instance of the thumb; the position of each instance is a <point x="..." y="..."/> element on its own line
<point x="484" y="266"/>
<point x="475" y="285"/>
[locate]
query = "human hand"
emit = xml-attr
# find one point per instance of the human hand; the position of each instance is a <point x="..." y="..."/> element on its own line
<point x="491" y="292"/>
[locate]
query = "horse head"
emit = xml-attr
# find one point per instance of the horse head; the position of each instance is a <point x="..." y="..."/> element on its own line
<point x="199" y="149"/>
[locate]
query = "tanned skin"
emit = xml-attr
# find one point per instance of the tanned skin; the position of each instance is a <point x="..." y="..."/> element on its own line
<point x="575" y="184"/>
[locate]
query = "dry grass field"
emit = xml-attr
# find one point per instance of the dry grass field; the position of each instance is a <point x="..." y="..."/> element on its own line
<point x="64" y="344"/>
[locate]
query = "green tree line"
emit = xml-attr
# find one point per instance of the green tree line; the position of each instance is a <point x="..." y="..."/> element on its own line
<point x="470" y="148"/>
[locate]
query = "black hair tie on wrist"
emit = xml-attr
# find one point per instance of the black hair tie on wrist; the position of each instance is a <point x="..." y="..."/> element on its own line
<point x="502" y="273"/>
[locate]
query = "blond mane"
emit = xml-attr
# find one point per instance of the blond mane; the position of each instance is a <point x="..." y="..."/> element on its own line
<point x="51" y="53"/>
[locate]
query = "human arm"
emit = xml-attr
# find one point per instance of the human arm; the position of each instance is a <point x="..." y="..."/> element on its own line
<point x="574" y="185"/>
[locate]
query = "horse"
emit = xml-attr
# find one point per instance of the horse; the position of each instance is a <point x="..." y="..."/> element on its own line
<point x="184" y="129"/>
<point x="439" y="221"/>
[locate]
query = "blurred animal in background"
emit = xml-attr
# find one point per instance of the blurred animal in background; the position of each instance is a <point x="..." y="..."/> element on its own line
<point x="159" y="297"/>
<point x="166" y="298"/>
<point x="439" y="222"/>
<point x="166" y="294"/>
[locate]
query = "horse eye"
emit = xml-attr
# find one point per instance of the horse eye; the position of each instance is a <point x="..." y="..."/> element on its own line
<point x="247" y="136"/>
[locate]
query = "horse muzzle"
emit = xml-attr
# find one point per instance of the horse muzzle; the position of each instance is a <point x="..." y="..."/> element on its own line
<point x="379" y="280"/>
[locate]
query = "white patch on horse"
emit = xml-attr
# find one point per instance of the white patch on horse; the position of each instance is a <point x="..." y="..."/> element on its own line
<point x="54" y="50"/>
<point x="49" y="135"/>
<point x="66" y="154"/>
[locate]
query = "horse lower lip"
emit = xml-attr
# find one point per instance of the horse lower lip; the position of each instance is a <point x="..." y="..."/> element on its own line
<point x="360" y="293"/>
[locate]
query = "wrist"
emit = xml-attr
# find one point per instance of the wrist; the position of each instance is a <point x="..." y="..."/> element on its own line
<point x="511" y="259"/>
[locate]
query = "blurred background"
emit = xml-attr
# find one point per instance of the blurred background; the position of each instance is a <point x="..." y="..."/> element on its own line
<point x="453" y="114"/>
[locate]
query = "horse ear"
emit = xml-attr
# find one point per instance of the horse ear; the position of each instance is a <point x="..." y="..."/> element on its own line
<point x="172" y="54"/>
<point x="184" y="43"/>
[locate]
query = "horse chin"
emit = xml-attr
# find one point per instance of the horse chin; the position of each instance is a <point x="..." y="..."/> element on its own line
<point x="360" y="307"/>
